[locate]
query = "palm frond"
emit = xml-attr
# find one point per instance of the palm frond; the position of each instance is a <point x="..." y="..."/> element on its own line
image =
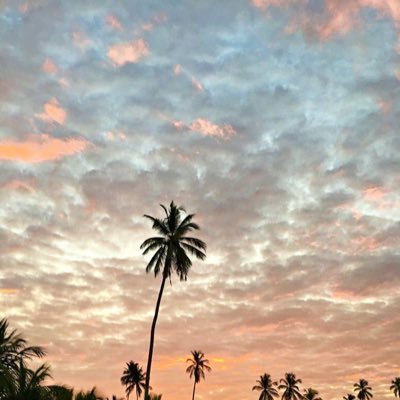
<point x="195" y="242"/>
<point x="158" y="225"/>
<point x="194" y="251"/>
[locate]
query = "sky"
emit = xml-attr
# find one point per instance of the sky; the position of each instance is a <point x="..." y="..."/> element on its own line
<point x="275" y="121"/>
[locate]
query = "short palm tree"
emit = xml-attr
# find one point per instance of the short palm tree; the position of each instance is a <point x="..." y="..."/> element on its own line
<point x="396" y="386"/>
<point x="290" y="387"/>
<point x="89" y="395"/>
<point x="170" y="254"/>
<point x="25" y="384"/>
<point x="364" y="391"/>
<point x="311" y="394"/>
<point x="266" y="387"/>
<point x="14" y="348"/>
<point x="133" y="377"/>
<point x="349" y="397"/>
<point x="198" y="364"/>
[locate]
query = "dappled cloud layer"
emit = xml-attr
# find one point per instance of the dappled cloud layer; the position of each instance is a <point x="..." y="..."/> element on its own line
<point x="275" y="121"/>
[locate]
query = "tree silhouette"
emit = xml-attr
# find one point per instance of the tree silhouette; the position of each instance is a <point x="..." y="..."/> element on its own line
<point x="170" y="255"/>
<point x="290" y="386"/>
<point x="395" y="387"/>
<point x="311" y="394"/>
<point x="197" y="367"/>
<point x="349" y="397"/>
<point x="133" y="377"/>
<point x="266" y="387"/>
<point x="364" y="391"/>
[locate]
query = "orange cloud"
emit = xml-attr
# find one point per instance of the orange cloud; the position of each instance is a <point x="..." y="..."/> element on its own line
<point x="49" y="67"/>
<point x="8" y="291"/>
<point x="39" y="148"/>
<point x="208" y="128"/>
<point x="53" y="112"/>
<point x="114" y="22"/>
<point x="19" y="185"/>
<point x="130" y="52"/>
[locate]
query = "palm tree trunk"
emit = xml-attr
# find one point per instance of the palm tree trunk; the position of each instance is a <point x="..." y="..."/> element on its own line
<point x="153" y="330"/>
<point x="194" y="389"/>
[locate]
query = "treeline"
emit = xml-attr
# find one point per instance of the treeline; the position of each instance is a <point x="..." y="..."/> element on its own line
<point x="290" y="389"/>
<point x="18" y="381"/>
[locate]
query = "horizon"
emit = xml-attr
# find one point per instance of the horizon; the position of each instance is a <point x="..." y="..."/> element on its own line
<point x="274" y="121"/>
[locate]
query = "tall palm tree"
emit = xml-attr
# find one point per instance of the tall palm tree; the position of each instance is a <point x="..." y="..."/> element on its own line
<point x="170" y="255"/>
<point x="198" y="364"/>
<point x="311" y="394"/>
<point x="364" y="391"/>
<point x="133" y="377"/>
<point x="396" y="386"/>
<point x="267" y="387"/>
<point x="290" y="386"/>
<point x="349" y="397"/>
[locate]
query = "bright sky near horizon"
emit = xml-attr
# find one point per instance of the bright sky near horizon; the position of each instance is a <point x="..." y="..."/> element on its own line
<point x="275" y="121"/>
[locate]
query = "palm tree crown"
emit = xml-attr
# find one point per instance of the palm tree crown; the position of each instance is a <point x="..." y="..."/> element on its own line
<point x="349" y="397"/>
<point x="198" y="364"/>
<point x="290" y="386"/>
<point x="13" y="348"/>
<point x="133" y="377"/>
<point x="170" y="254"/>
<point x="396" y="386"/>
<point x="364" y="391"/>
<point x="311" y="394"/>
<point x="266" y="386"/>
<point x="172" y="246"/>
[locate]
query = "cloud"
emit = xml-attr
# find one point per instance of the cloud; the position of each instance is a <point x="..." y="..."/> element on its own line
<point x="49" y="67"/>
<point x="53" y="112"/>
<point x="207" y="128"/>
<point x="39" y="148"/>
<point x="129" y="52"/>
<point x="113" y="21"/>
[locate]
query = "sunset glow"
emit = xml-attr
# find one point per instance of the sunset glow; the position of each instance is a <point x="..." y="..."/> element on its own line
<point x="275" y="121"/>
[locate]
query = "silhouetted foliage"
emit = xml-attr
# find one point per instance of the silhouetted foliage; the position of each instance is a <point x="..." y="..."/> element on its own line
<point x="364" y="391"/>
<point x="267" y="387"/>
<point x="395" y="386"/>
<point x="290" y="386"/>
<point x="198" y="364"/>
<point x="133" y="378"/>
<point x="311" y="394"/>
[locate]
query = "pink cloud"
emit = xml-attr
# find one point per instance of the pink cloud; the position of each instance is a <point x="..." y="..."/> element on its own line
<point x="81" y="40"/>
<point x="49" y="67"/>
<point x="39" y="148"/>
<point x="129" y="52"/>
<point x="53" y="112"/>
<point x="264" y="4"/>
<point x="197" y="85"/>
<point x="207" y="128"/>
<point x="114" y="22"/>
<point x="177" y="69"/>
<point x="341" y="15"/>
<point x="374" y="194"/>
